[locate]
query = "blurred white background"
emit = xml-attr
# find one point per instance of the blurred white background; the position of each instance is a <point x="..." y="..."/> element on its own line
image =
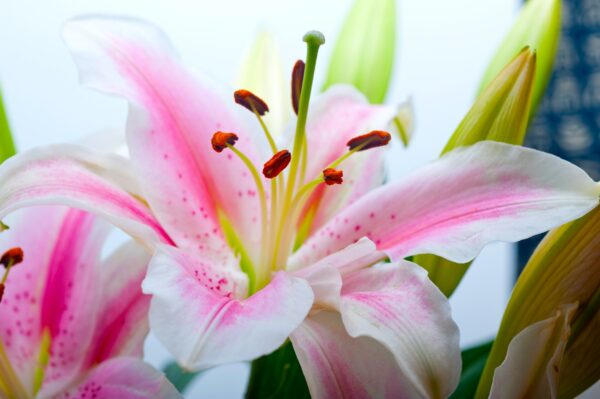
<point x="443" y="47"/>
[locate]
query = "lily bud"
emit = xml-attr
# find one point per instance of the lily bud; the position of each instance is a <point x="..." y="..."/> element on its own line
<point x="538" y="26"/>
<point x="500" y="113"/>
<point x="559" y="289"/>
<point x="262" y="72"/>
<point x="363" y="55"/>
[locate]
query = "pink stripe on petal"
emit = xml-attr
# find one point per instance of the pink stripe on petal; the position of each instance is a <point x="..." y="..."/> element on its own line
<point x="74" y="176"/>
<point x="338" y="115"/>
<point x="123" y="378"/>
<point x="459" y="203"/>
<point x="123" y="309"/>
<point x="198" y="313"/>
<point x="336" y="365"/>
<point x="397" y="305"/>
<point x="171" y="121"/>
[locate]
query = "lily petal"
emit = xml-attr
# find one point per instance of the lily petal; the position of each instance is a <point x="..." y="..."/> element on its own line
<point x="531" y="368"/>
<point x="75" y="176"/>
<point x="53" y="290"/>
<point x="456" y="205"/>
<point x="337" y="116"/>
<point x="195" y="311"/>
<point x="336" y="365"/>
<point x="397" y="305"/>
<point x="126" y="378"/>
<point x="122" y="322"/>
<point x="172" y="117"/>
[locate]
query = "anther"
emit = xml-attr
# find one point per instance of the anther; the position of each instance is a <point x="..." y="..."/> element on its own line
<point x="220" y="140"/>
<point x="274" y="166"/>
<point x="251" y="101"/>
<point x="12" y="257"/>
<point x="333" y="176"/>
<point x="1" y="291"/>
<point x="376" y="138"/>
<point x="297" y="77"/>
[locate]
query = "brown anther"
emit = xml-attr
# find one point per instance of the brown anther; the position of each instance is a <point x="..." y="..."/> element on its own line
<point x="1" y="291"/>
<point x="12" y="257"/>
<point x="251" y="101"/>
<point x="220" y="140"/>
<point x="375" y="138"/>
<point x="274" y="166"/>
<point x="332" y="176"/>
<point x="297" y="78"/>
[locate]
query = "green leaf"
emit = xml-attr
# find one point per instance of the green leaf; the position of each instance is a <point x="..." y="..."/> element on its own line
<point x="538" y="26"/>
<point x="179" y="377"/>
<point x="364" y="52"/>
<point x="473" y="362"/>
<point x="277" y="375"/>
<point x="7" y="146"/>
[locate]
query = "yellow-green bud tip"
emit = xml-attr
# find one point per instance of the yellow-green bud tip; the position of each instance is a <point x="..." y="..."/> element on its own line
<point x="314" y="37"/>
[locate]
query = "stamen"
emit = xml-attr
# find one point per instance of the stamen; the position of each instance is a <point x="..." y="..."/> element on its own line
<point x="297" y="77"/>
<point x="373" y="139"/>
<point x="12" y="257"/>
<point x="332" y="176"/>
<point x="277" y="164"/>
<point x="220" y="140"/>
<point x="251" y="101"/>
<point x="3" y="227"/>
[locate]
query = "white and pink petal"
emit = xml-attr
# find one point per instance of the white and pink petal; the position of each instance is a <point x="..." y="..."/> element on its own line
<point x="337" y="365"/>
<point x="456" y="205"/>
<point x="200" y="314"/>
<point x="75" y="176"/>
<point x="123" y="378"/>
<point x="172" y="117"/>
<point x="397" y="305"/>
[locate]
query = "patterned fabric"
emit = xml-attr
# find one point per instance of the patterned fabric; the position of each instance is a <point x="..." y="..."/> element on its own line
<point x="568" y="121"/>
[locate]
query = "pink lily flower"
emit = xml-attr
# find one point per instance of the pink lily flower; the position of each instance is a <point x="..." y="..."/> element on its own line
<point x="225" y="281"/>
<point x="71" y="325"/>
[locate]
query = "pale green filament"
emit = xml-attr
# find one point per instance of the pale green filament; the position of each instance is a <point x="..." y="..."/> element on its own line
<point x="10" y="385"/>
<point x="266" y="130"/>
<point x="263" y="207"/>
